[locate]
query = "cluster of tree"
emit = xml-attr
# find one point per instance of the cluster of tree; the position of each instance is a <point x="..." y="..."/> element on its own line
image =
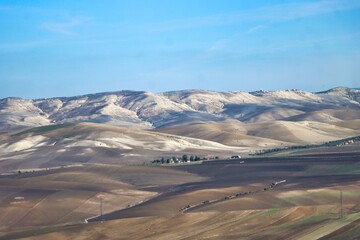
<point x="272" y="150"/>
<point x="270" y="187"/>
<point x="327" y="144"/>
<point x="342" y="142"/>
<point x="185" y="158"/>
<point x="19" y="172"/>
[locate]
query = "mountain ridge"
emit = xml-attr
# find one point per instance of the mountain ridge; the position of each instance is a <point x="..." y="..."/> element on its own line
<point x="153" y="110"/>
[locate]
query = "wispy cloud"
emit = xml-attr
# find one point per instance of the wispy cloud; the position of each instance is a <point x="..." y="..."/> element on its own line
<point x="218" y="45"/>
<point x="311" y="42"/>
<point x="275" y="13"/>
<point x="66" y="27"/>
<point x="255" y="29"/>
<point x="283" y="48"/>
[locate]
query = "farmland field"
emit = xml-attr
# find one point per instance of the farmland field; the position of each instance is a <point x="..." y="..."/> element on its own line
<point x="232" y="199"/>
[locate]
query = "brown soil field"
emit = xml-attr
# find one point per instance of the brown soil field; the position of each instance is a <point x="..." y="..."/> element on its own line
<point x="305" y="206"/>
<point x="70" y="195"/>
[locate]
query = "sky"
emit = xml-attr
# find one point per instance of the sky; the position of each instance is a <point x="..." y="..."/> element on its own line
<point x="54" y="48"/>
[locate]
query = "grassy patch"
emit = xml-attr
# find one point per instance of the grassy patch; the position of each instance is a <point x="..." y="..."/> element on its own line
<point x="337" y="169"/>
<point x="348" y="169"/>
<point x="270" y="212"/>
<point x="43" y="129"/>
<point x="315" y="218"/>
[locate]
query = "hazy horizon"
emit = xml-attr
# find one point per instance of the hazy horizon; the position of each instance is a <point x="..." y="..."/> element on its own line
<point x="179" y="90"/>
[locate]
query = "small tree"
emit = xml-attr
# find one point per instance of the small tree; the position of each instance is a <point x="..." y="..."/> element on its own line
<point x="184" y="157"/>
<point x="191" y="158"/>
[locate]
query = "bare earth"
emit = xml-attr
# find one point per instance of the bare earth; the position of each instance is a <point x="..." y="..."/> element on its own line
<point x="306" y="206"/>
<point x="80" y="167"/>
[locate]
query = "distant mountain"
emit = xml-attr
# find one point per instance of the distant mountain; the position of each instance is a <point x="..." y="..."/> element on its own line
<point x="149" y="110"/>
<point x="350" y="93"/>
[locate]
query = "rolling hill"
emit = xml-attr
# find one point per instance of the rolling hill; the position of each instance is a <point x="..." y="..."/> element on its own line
<point x="62" y="158"/>
<point x="150" y="111"/>
<point x="137" y="126"/>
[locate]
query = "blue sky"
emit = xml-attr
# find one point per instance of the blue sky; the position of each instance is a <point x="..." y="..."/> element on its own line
<point x="62" y="48"/>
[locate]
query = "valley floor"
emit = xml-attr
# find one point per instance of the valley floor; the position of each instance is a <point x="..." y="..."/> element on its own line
<point x="145" y="202"/>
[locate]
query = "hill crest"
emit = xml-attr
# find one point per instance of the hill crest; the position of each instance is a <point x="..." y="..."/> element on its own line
<point x="150" y="110"/>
